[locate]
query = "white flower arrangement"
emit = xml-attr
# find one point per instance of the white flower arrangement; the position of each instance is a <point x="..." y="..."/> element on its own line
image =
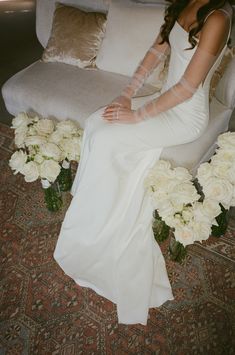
<point x="177" y="200"/>
<point x="43" y="146"/>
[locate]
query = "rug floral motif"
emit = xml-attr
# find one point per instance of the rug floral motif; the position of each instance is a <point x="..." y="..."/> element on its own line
<point x="42" y="311"/>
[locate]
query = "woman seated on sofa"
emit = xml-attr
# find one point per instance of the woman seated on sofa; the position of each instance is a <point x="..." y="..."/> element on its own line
<point x="106" y="239"/>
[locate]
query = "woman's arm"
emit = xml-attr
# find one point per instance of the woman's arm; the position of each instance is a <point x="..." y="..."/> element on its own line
<point x="156" y="54"/>
<point x="212" y="39"/>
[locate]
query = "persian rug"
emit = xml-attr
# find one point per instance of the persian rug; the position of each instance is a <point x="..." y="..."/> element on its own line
<point x="43" y="312"/>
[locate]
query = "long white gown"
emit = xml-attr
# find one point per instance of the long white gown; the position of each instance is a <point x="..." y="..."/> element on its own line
<point x="106" y="240"/>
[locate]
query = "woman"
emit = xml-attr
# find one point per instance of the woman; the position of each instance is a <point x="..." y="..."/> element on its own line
<point x="106" y="241"/>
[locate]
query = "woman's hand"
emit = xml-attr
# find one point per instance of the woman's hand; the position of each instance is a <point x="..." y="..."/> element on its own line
<point x="119" y="114"/>
<point x="121" y="101"/>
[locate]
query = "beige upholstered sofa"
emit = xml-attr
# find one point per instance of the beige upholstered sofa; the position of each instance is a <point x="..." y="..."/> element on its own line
<point x="67" y="91"/>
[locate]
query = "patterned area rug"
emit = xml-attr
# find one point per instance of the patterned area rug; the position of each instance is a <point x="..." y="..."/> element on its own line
<point x="43" y="312"/>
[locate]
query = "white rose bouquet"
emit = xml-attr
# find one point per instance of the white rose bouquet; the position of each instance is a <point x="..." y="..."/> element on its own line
<point x="45" y="149"/>
<point x="217" y="179"/>
<point x="178" y="205"/>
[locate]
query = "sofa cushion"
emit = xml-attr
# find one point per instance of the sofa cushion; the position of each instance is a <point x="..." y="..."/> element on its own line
<point x="131" y="29"/>
<point x="76" y="36"/>
<point x="61" y="90"/>
<point x="45" y="10"/>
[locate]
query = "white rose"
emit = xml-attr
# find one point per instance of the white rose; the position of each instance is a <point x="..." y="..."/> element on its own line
<point x="231" y="174"/>
<point x="30" y="171"/>
<point x="226" y="140"/>
<point x="221" y="170"/>
<point x="206" y="211"/>
<point x="51" y="150"/>
<point x="211" y="208"/>
<point x="21" y="119"/>
<point x="162" y="169"/>
<point x="205" y="171"/>
<point x="166" y="209"/>
<point x="49" y="170"/>
<point x="182" y="174"/>
<point x="225" y="170"/>
<point x="171" y="222"/>
<point x="184" y="234"/>
<point x="201" y="230"/>
<point x="67" y="128"/>
<point x="71" y="148"/>
<point x="20" y="136"/>
<point x="218" y="189"/>
<point x="223" y="155"/>
<point x="158" y="197"/>
<point x="164" y="185"/>
<point x="17" y="161"/>
<point x="44" y="126"/>
<point x="55" y="137"/>
<point x="34" y="140"/>
<point x="184" y="193"/>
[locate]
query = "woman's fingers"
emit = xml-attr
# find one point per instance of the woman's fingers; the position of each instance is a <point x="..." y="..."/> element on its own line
<point x="118" y="114"/>
<point x="111" y="112"/>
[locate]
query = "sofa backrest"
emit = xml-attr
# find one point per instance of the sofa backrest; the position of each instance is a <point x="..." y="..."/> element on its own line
<point x="45" y="10"/>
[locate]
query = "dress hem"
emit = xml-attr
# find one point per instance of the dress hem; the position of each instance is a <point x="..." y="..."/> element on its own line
<point x="87" y="284"/>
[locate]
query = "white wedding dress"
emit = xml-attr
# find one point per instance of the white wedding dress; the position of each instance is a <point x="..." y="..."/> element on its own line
<point x="106" y="240"/>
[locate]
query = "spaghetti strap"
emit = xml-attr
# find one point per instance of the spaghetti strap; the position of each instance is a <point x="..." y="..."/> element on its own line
<point x="223" y="10"/>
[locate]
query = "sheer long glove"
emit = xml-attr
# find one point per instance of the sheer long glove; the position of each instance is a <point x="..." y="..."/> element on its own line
<point x="154" y="56"/>
<point x="121" y="101"/>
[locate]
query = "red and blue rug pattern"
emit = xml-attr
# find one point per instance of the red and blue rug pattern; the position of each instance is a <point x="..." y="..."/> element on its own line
<point x="42" y="311"/>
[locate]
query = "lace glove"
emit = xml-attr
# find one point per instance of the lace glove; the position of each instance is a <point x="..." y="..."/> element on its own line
<point x="213" y="38"/>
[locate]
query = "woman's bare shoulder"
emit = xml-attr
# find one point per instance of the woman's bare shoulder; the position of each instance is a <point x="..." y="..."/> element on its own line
<point x="219" y="17"/>
<point x="215" y="30"/>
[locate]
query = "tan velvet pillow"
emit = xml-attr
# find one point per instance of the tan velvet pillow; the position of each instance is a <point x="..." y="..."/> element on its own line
<point x="75" y="37"/>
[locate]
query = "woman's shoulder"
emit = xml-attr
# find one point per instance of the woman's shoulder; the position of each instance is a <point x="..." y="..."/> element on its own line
<point x="220" y="16"/>
<point x="218" y="20"/>
<point x="215" y="31"/>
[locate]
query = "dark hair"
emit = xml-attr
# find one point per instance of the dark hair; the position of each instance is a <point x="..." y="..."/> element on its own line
<point x="176" y="7"/>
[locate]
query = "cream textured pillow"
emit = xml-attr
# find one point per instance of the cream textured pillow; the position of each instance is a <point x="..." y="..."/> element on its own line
<point x="76" y="36"/>
<point x="131" y="30"/>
